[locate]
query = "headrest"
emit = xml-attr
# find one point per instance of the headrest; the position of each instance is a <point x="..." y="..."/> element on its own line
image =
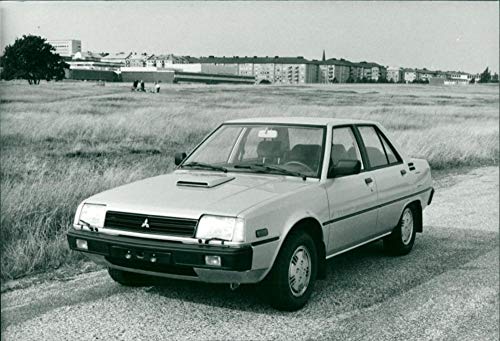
<point x="269" y="149"/>
<point x="338" y="153"/>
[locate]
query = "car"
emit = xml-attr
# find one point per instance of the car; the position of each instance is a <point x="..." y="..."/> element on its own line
<point x="260" y="200"/>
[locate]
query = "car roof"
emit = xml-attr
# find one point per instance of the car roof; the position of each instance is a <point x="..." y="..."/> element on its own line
<point x="323" y="121"/>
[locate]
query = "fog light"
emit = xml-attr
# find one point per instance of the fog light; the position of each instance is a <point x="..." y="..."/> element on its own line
<point x="82" y="244"/>
<point x="212" y="260"/>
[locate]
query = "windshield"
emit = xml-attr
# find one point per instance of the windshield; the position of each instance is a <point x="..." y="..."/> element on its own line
<point x="278" y="149"/>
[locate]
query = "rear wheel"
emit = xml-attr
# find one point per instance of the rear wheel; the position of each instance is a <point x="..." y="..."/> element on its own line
<point x="402" y="238"/>
<point x="129" y="279"/>
<point x="291" y="280"/>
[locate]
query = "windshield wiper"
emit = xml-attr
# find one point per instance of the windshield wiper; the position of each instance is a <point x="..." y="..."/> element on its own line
<point x="205" y="165"/>
<point x="261" y="168"/>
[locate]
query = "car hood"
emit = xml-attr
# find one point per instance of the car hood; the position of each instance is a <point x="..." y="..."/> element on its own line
<point x="190" y="194"/>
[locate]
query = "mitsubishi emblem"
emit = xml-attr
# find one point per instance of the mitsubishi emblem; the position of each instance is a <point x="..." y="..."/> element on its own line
<point x="145" y="224"/>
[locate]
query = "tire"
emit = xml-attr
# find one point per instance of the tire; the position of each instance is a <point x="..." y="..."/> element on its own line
<point x="401" y="240"/>
<point x="129" y="279"/>
<point x="298" y="255"/>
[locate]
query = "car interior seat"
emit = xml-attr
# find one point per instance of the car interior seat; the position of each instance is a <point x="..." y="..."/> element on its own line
<point x="338" y="153"/>
<point x="270" y="151"/>
<point x="308" y="154"/>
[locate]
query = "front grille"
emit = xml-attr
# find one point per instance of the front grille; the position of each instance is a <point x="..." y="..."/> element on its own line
<point x="180" y="227"/>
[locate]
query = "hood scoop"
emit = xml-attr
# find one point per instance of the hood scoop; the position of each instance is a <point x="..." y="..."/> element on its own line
<point x="202" y="180"/>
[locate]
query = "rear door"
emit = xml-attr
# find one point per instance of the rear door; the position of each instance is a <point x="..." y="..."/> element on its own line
<point x="352" y="198"/>
<point x="390" y="174"/>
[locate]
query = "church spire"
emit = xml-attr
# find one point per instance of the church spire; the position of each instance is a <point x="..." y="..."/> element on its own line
<point x="324" y="57"/>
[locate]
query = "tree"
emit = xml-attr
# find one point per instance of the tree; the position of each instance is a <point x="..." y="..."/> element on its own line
<point x="485" y="77"/>
<point x="494" y="78"/>
<point x="383" y="79"/>
<point x="31" y="58"/>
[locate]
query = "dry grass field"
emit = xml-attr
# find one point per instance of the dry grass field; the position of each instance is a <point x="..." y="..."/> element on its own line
<point x="66" y="141"/>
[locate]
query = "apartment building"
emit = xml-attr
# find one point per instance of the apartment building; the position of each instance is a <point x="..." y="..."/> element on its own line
<point x="395" y="74"/>
<point x="282" y="70"/>
<point x="66" y="47"/>
<point x="334" y="71"/>
<point x="367" y="71"/>
<point x="425" y="75"/>
<point x="409" y="75"/>
<point x="378" y="72"/>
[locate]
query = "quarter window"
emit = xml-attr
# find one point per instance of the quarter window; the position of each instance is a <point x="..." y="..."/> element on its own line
<point x="373" y="146"/>
<point x="389" y="151"/>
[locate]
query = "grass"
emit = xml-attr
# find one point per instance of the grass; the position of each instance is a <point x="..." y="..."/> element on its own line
<point x="63" y="142"/>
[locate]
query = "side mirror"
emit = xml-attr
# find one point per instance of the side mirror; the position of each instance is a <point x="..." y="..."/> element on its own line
<point x="179" y="157"/>
<point x="344" y="167"/>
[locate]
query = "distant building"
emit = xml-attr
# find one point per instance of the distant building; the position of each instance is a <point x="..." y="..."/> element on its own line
<point x="118" y="58"/>
<point x="462" y="78"/>
<point x="356" y="72"/>
<point x="452" y="78"/>
<point x="365" y="71"/>
<point x="334" y="71"/>
<point x="378" y="72"/>
<point x="409" y="75"/>
<point x="90" y="56"/>
<point x="66" y="47"/>
<point x="282" y="70"/>
<point x="91" y="61"/>
<point x="424" y="74"/>
<point x="169" y="59"/>
<point x="395" y="74"/>
<point x="138" y="60"/>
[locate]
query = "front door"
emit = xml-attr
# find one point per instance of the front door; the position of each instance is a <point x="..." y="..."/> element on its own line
<point x="352" y="198"/>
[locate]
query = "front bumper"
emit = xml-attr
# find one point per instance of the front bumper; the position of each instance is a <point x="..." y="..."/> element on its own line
<point x="171" y="259"/>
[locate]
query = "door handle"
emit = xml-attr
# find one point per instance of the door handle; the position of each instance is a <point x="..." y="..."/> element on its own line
<point x="403" y="172"/>
<point x="368" y="181"/>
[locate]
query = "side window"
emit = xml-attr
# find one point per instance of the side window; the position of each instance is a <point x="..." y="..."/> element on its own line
<point x="389" y="151"/>
<point x="373" y="146"/>
<point x="344" y="146"/>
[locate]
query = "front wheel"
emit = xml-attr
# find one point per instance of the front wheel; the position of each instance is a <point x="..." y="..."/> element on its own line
<point x="291" y="280"/>
<point x="401" y="240"/>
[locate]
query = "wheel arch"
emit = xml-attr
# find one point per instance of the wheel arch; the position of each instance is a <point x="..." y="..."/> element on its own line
<point x="417" y="210"/>
<point x="313" y="227"/>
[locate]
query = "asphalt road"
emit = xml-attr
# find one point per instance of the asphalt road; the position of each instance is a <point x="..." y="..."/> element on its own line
<point x="447" y="288"/>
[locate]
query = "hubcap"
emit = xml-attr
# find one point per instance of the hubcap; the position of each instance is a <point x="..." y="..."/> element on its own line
<point x="299" y="271"/>
<point x="406" y="226"/>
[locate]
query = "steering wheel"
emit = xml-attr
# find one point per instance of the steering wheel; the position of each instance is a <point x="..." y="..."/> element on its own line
<point x="300" y="164"/>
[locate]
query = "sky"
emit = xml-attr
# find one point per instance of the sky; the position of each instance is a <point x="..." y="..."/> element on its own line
<point x="460" y="36"/>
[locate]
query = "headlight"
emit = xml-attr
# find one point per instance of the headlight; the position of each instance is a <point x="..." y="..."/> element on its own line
<point x="227" y="228"/>
<point x="93" y="215"/>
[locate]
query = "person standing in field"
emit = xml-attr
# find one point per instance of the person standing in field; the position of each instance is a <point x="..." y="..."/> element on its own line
<point x="134" y="85"/>
<point x="157" y="87"/>
<point x="143" y="89"/>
